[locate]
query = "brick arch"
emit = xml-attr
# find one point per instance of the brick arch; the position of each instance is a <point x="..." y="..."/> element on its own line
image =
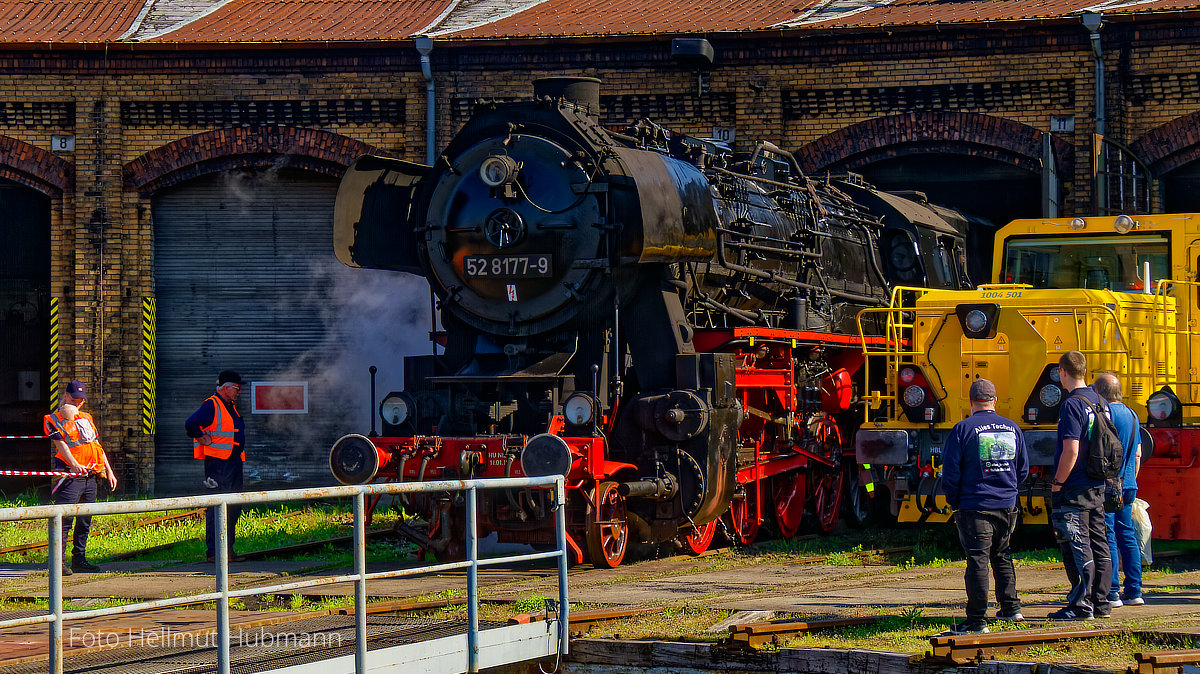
<point x="963" y="133"/>
<point x="243" y="147"/>
<point x="34" y="167"/>
<point x="1170" y="146"/>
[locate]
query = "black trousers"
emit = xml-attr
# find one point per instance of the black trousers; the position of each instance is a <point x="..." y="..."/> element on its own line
<point x="70" y="491"/>
<point x="985" y="536"/>
<point x="1078" y="520"/>
<point x="227" y="473"/>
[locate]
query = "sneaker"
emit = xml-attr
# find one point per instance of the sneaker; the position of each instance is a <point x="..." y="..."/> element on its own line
<point x="967" y="627"/>
<point x="85" y="566"/>
<point x="1069" y="614"/>
<point x="1102" y="614"/>
<point x="1014" y="617"/>
<point x="1115" y="602"/>
<point x="1136" y="601"/>
<point x="66" y="570"/>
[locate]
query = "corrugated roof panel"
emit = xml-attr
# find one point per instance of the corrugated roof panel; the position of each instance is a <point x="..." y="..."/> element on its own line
<point x="927" y="12"/>
<point x="1148" y="6"/>
<point x="608" y="17"/>
<point x="309" y="20"/>
<point x="66" y="20"/>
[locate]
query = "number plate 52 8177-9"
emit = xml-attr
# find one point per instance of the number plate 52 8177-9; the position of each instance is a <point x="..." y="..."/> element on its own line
<point x="507" y="266"/>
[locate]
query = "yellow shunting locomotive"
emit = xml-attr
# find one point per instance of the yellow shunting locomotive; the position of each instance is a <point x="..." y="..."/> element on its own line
<point x="1121" y="289"/>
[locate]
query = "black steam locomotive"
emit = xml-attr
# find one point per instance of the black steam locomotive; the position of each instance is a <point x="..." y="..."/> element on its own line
<point x="668" y="323"/>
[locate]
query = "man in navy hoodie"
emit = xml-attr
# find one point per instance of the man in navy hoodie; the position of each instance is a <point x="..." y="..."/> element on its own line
<point x="983" y="463"/>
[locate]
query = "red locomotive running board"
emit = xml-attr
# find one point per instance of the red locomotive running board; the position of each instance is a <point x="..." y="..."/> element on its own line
<point x="709" y="339"/>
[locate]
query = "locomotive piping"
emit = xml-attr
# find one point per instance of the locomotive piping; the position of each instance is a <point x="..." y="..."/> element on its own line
<point x="424" y="45"/>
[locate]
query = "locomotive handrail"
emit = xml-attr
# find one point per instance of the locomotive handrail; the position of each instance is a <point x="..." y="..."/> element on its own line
<point x="1161" y="294"/>
<point x="896" y="332"/>
<point x="893" y="351"/>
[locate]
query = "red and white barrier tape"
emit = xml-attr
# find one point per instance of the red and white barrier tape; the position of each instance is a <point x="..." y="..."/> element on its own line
<point x="23" y="437"/>
<point x="49" y="473"/>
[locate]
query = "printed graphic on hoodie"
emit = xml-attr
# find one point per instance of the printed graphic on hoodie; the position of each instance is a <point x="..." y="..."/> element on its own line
<point x="996" y="450"/>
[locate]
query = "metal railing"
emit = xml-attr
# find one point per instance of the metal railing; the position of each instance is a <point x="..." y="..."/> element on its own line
<point x="55" y="513"/>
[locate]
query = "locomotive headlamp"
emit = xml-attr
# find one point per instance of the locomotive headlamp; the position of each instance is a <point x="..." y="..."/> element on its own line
<point x="1050" y="395"/>
<point x="497" y="170"/>
<point x="1164" y="408"/>
<point x="1123" y="224"/>
<point x="978" y="321"/>
<point x="1077" y="224"/>
<point x="975" y="321"/>
<point x="914" y="396"/>
<point x="395" y="410"/>
<point x="1045" y="397"/>
<point x="579" y="409"/>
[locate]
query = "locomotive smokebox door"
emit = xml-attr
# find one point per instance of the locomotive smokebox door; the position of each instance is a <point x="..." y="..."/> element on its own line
<point x="374" y="214"/>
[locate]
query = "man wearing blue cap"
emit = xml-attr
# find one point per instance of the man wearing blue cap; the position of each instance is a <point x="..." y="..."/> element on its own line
<point x="73" y="434"/>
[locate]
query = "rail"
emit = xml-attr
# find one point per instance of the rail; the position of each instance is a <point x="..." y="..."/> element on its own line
<point x="54" y="514"/>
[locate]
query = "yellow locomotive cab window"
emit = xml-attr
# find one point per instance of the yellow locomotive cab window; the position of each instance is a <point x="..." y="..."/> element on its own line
<point x="1100" y="262"/>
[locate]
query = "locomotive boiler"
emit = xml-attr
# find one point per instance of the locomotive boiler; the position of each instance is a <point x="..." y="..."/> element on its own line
<point x="667" y="323"/>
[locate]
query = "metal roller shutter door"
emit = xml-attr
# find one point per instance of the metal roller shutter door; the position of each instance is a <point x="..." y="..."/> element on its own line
<point x="246" y="280"/>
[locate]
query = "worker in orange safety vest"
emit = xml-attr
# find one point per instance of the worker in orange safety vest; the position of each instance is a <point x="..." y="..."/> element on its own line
<point x="219" y="439"/>
<point x="74" y="436"/>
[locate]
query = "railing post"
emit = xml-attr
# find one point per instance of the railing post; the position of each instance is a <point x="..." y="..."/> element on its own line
<point x="472" y="584"/>
<point x="560" y="524"/>
<point x="221" y="540"/>
<point x="360" y="585"/>
<point x="55" y="548"/>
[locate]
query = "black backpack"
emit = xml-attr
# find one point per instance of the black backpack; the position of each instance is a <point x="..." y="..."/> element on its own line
<point x="1105" y="452"/>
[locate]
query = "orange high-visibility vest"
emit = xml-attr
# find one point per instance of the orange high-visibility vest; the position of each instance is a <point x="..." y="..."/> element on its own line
<point x="220" y="429"/>
<point x="80" y="436"/>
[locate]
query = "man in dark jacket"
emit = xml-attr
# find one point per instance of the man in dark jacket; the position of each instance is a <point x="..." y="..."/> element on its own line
<point x="1077" y="500"/>
<point x="983" y="463"/>
<point x="219" y="439"/>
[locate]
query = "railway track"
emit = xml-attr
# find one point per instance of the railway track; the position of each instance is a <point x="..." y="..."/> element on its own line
<point x="163" y="519"/>
<point x="974" y="648"/>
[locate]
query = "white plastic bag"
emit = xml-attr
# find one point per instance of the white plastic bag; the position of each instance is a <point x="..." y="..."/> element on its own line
<point x="1141" y="526"/>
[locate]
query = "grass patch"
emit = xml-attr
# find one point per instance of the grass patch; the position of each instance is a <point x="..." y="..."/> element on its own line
<point x="260" y="527"/>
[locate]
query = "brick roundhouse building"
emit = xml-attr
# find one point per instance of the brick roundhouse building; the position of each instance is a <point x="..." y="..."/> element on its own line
<point x="168" y="169"/>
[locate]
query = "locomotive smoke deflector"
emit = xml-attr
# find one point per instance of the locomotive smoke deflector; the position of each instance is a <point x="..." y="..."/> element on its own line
<point x="373" y="216"/>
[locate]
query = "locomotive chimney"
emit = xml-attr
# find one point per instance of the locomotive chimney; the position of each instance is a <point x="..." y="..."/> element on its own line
<point x="582" y="91"/>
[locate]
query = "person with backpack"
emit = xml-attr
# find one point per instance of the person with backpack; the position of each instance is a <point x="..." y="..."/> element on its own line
<point x="1077" y="498"/>
<point x="1122" y="539"/>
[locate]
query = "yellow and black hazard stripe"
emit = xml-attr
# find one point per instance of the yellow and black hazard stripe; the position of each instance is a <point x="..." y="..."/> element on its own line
<point x="869" y="485"/>
<point x="53" y="353"/>
<point x="149" y="362"/>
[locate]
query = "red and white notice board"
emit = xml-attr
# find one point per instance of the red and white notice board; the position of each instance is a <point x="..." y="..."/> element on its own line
<point x="279" y="397"/>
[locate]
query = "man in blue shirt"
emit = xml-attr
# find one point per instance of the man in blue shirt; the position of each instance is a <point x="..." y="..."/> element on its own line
<point x="1122" y="540"/>
<point x="983" y="463"/>
<point x="1077" y="501"/>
